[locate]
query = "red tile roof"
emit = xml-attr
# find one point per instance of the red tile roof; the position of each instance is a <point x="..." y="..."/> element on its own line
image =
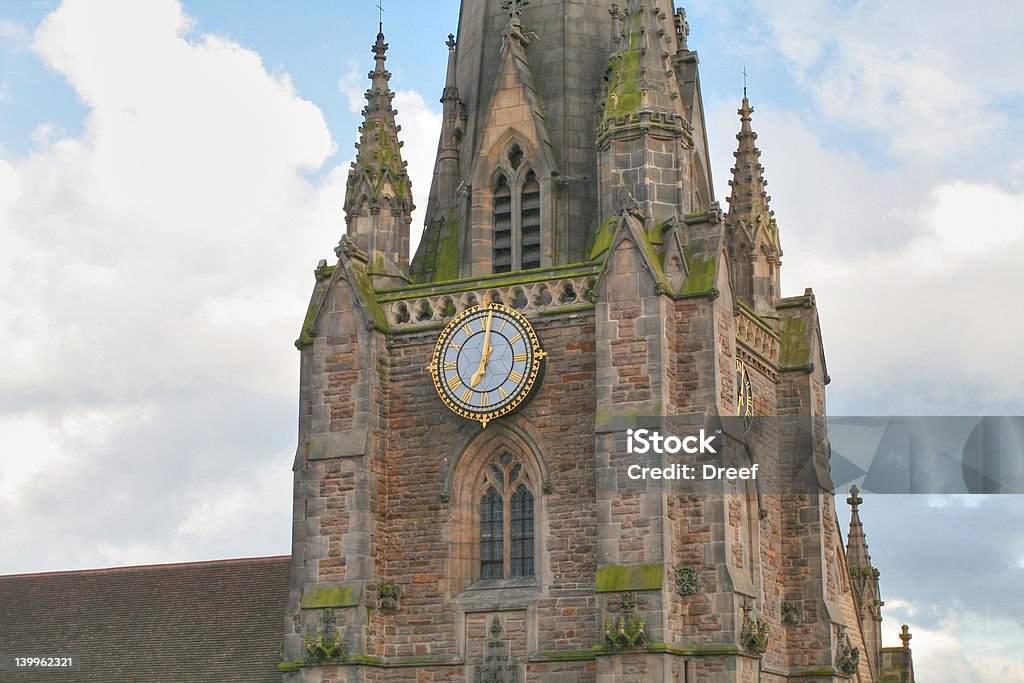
<point x="202" y="621"/>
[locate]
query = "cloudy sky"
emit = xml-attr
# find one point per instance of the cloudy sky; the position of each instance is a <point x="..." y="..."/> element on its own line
<point x="171" y="172"/>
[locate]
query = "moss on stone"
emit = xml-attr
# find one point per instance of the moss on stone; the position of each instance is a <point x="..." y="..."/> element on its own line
<point x="290" y="665"/>
<point x="306" y="336"/>
<point x="795" y="350"/>
<point x="495" y="281"/>
<point x="567" y="655"/>
<point x="370" y="300"/>
<point x="615" y="578"/>
<point x="624" y="75"/>
<point x="330" y="596"/>
<point x="603" y="237"/>
<point x="446" y="259"/>
<point x="701" y="273"/>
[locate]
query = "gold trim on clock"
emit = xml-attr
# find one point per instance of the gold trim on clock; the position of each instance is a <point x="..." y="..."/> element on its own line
<point x="486" y="362"/>
<point x="744" y="394"/>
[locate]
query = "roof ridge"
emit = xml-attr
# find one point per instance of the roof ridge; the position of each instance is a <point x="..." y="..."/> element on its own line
<point x="166" y="565"/>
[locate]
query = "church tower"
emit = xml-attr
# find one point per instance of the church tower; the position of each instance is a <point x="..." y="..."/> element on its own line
<point x="466" y="505"/>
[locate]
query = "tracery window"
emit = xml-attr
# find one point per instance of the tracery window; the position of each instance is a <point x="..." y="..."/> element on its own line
<point x="506" y="520"/>
<point x="516" y="214"/>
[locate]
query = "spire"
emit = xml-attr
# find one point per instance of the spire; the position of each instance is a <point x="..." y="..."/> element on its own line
<point x="748" y="200"/>
<point x="641" y="77"/>
<point x="752" y="234"/>
<point x="451" y="92"/>
<point x="437" y="256"/>
<point x="864" y="580"/>
<point x="640" y="107"/>
<point x="857" y="556"/>
<point x="378" y="196"/>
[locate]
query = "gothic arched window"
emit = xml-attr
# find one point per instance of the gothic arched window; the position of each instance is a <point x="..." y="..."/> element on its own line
<point x="502" y="226"/>
<point x="506" y="520"/>
<point x="516" y="214"/>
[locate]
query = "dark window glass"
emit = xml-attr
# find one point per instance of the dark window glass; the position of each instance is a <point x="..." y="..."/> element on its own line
<point x="521" y="533"/>
<point x="492" y="560"/>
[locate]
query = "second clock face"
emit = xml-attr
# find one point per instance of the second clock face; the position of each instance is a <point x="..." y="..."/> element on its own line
<point x="486" y="362"/>
<point x="744" y="394"/>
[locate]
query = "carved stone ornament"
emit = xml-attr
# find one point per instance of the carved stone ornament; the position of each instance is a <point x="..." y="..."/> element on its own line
<point x="387" y="596"/>
<point x="498" y="666"/>
<point x="326" y="645"/>
<point x="686" y="580"/>
<point x="345" y="247"/>
<point x="628" y="630"/>
<point x="792" y="612"/>
<point x="755" y="636"/>
<point x="846" y="659"/>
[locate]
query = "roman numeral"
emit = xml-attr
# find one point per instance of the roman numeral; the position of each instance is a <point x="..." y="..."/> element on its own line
<point x="454" y="381"/>
<point x="466" y="394"/>
<point x="519" y="357"/>
<point x="502" y="392"/>
<point x="484" y="400"/>
<point x="514" y="339"/>
<point x="449" y="365"/>
<point x="468" y="330"/>
<point x="515" y="376"/>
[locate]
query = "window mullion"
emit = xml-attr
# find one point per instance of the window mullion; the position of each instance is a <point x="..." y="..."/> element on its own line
<point x="517" y="222"/>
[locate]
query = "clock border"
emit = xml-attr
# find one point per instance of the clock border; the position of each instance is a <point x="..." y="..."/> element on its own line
<point x="532" y="377"/>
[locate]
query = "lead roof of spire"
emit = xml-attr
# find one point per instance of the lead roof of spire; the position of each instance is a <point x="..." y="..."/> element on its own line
<point x="378" y="154"/>
<point x="640" y="73"/>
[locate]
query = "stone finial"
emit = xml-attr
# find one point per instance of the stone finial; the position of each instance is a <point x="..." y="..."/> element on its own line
<point x="855" y="500"/>
<point x="905" y="636"/>
<point x="451" y="41"/>
<point x="514" y="7"/>
<point x="682" y="28"/>
<point x="380" y="47"/>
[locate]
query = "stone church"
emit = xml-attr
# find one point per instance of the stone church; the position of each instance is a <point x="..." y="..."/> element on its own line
<point x="465" y="508"/>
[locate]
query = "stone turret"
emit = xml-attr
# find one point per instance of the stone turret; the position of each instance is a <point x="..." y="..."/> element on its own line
<point x="378" y="195"/>
<point x="752" y="234"/>
<point x="864" y="578"/>
<point x="437" y="257"/>
<point x="644" y="138"/>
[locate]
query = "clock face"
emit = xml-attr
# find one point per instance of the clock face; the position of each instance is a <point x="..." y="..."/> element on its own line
<point x="486" y="362"/>
<point x="744" y="394"/>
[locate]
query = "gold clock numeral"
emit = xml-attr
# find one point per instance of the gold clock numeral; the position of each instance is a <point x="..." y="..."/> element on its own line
<point x="515" y="376"/>
<point x="449" y="365"/>
<point x="503" y="393"/>
<point x="519" y="357"/>
<point x="468" y="330"/>
<point x="454" y="381"/>
<point x="484" y="400"/>
<point x="466" y="395"/>
<point x="504" y="322"/>
<point x="514" y="339"/>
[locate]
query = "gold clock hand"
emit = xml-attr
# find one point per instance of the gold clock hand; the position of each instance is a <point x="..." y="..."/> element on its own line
<point x="485" y="353"/>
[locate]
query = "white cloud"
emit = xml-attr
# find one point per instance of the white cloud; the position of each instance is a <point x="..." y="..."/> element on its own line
<point x="153" y="273"/>
<point x="421" y="127"/>
<point x="158" y="256"/>
<point x="932" y="82"/>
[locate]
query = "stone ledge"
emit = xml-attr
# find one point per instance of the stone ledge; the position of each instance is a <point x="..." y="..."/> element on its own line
<point x="614" y="578"/>
<point x="348" y="444"/>
<point x="347" y="594"/>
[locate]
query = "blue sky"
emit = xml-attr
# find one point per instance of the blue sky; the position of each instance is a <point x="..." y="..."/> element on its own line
<point x="171" y="173"/>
